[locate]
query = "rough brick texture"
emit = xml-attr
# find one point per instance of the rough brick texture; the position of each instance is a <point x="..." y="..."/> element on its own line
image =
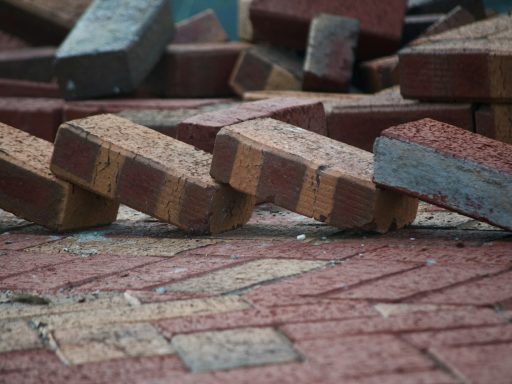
<point x="148" y="171"/>
<point x="23" y="88"/>
<point x="308" y="174"/>
<point x="29" y="190"/>
<point x="448" y="166"/>
<point x="34" y="64"/>
<point x="113" y="47"/>
<point x="330" y="53"/>
<point x="286" y="22"/>
<point x="201" y="130"/>
<point x="203" y="27"/>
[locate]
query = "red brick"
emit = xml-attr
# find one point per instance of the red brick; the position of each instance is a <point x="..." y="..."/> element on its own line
<point x="40" y="117"/>
<point x="23" y="88"/>
<point x="479" y="169"/>
<point x="360" y="122"/>
<point x="32" y="360"/>
<point x="203" y="27"/>
<point x="330" y="53"/>
<point x="201" y="130"/>
<point x="35" y="64"/>
<point x="307" y="173"/>
<point x="286" y="22"/>
<point x="14" y="263"/>
<point x="19" y="241"/>
<point x="423" y="377"/>
<point x="379" y="74"/>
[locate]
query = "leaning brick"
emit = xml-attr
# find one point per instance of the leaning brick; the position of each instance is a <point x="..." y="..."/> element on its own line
<point x="113" y="47"/>
<point x="330" y="54"/>
<point x="149" y="172"/>
<point x="449" y="167"/>
<point x="29" y="190"/>
<point x="378" y="74"/>
<point x="475" y="7"/>
<point x="203" y="27"/>
<point x="456" y="18"/>
<point x="493" y="121"/>
<point x="309" y="174"/>
<point x="35" y="64"/>
<point x="201" y="130"/>
<point x="24" y="88"/>
<point x="266" y="68"/>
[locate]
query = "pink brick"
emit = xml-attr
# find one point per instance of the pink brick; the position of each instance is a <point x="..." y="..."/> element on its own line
<point x="14" y="263"/>
<point x="423" y="377"/>
<point x="19" y="241"/>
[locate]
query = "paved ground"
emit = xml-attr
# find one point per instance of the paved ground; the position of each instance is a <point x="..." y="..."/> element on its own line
<point x="139" y="302"/>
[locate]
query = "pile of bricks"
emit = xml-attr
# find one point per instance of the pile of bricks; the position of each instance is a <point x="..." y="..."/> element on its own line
<point x="138" y="112"/>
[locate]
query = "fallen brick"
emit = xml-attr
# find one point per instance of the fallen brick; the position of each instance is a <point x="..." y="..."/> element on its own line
<point x="286" y="23"/>
<point x="309" y="174"/>
<point x="449" y="167"/>
<point x="376" y="75"/>
<point x="244" y="21"/>
<point x="24" y="88"/>
<point x="113" y="47"/>
<point x="456" y="18"/>
<point x="266" y="68"/>
<point x="40" y="117"/>
<point x="493" y="121"/>
<point x="360" y="122"/>
<point x="330" y="53"/>
<point x="29" y="190"/>
<point x="203" y="27"/>
<point x="35" y="64"/>
<point x="196" y="70"/>
<point x="416" y="25"/>
<point x="201" y="130"/>
<point x="149" y="172"/>
<point x="447" y="71"/>
<point x="476" y="7"/>
<point x="41" y="22"/>
<point x="262" y="95"/>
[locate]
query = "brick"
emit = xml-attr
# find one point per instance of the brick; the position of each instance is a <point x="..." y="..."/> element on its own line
<point x="40" y="117"/>
<point x="8" y="41"/>
<point x="113" y="47"/>
<point x="493" y="121"/>
<point x="237" y="348"/>
<point x="416" y="25"/>
<point x="266" y="68"/>
<point x="286" y="22"/>
<point x="17" y="336"/>
<point x="149" y="172"/>
<point x="456" y="18"/>
<point x="475" y="7"/>
<point x="424" y="377"/>
<point x="203" y="27"/>
<point x="446" y="71"/>
<point x="196" y="70"/>
<point x="309" y="174"/>
<point x="19" y="241"/>
<point x="244" y="21"/>
<point x="330" y="53"/>
<point x="14" y="263"/>
<point x="379" y="74"/>
<point x="34" y="64"/>
<point x="29" y="190"/>
<point x="478" y="168"/>
<point x="201" y="130"/>
<point x="262" y="95"/>
<point x="49" y="20"/>
<point x="360" y="122"/>
<point x="24" y="88"/>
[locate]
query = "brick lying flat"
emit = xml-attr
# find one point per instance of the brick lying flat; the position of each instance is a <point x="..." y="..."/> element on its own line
<point x="201" y="130"/>
<point x="449" y="167"/>
<point x="494" y="121"/>
<point x="266" y="68"/>
<point x="380" y="73"/>
<point x="360" y="122"/>
<point x="40" y="117"/>
<point x="196" y="70"/>
<point x="29" y="190"/>
<point x="24" y="88"/>
<point x="458" y="70"/>
<point x="40" y="22"/>
<point x="262" y="95"/>
<point x="113" y="47"/>
<point x="148" y="171"/>
<point x="476" y="7"/>
<point x="308" y="174"/>
<point x="203" y="27"/>
<point x="34" y="64"/>
<point x="286" y="22"/>
<point x="330" y="54"/>
<point x="456" y="18"/>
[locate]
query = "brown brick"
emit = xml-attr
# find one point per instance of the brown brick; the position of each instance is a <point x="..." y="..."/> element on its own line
<point x="449" y="167"/>
<point x="475" y="7"/>
<point x="29" y="190"/>
<point x="113" y="47"/>
<point x="148" y="171"/>
<point x="308" y="174"/>
<point x="360" y="122"/>
<point x="266" y="68"/>
<point x="330" y="54"/>
<point x="244" y="21"/>
<point x="203" y="27"/>
<point x="24" y="88"/>
<point x="379" y="74"/>
<point x="456" y="18"/>
<point x="494" y="121"/>
<point x="34" y="64"/>
<point x="286" y="22"/>
<point x="201" y="130"/>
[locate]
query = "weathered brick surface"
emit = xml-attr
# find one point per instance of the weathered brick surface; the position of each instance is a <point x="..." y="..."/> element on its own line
<point x="24" y="88"/>
<point x="29" y="190"/>
<point x="330" y="53"/>
<point x="19" y="241"/>
<point x="113" y="47"/>
<point x="478" y="168"/>
<point x="35" y="64"/>
<point x="203" y="27"/>
<point x="476" y="7"/>
<point x="494" y="121"/>
<point x="15" y="263"/>
<point x="308" y="174"/>
<point x="379" y="74"/>
<point x="286" y="22"/>
<point x="148" y="171"/>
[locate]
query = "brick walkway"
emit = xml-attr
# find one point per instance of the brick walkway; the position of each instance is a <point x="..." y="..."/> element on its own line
<point x="138" y="302"/>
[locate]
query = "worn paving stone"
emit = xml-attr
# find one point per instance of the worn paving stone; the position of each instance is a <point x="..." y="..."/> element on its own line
<point x="215" y="351"/>
<point x="16" y="335"/>
<point x="19" y="241"/>
<point x="15" y="262"/>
